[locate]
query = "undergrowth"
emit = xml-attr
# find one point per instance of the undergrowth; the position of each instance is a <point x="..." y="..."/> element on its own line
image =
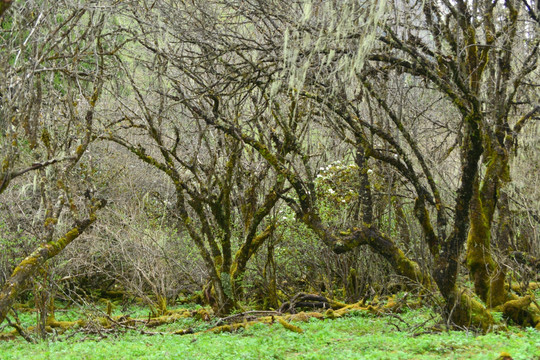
<point x="358" y="335"/>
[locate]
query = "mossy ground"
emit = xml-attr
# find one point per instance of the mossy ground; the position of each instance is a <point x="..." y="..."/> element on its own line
<point x="359" y="335"/>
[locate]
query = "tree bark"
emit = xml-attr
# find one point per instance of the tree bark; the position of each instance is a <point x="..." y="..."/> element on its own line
<point x="4" y="5"/>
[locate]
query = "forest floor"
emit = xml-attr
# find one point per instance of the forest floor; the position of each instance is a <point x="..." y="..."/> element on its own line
<point x="355" y="335"/>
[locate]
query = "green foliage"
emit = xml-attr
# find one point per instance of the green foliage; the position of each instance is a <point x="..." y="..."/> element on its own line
<point x="355" y="337"/>
<point x="59" y="83"/>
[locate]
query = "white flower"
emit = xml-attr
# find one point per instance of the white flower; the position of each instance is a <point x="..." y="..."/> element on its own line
<point x="331" y="191"/>
<point x="319" y="176"/>
<point x="370" y="171"/>
<point x="284" y="218"/>
<point x="343" y="200"/>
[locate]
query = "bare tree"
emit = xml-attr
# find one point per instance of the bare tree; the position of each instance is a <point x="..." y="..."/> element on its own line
<point x="468" y="54"/>
<point x="54" y="56"/>
<point x="223" y="193"/>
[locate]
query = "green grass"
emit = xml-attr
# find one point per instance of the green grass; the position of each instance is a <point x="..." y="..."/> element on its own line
<point x="354" y="337"/>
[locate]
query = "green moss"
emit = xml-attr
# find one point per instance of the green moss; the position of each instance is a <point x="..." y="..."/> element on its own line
<point x="60" y="244"/>
<point x="410" y="269"/>
<point x="521" y="312"/>
<point x="218" y="261"/>
<point x="161" y="305"/>
<point x="289" y="326"/>
<point x="469" y="312"/>
<point x="109" y="308"/>
<point x="46" y="138"/>
<point x="479" y="259"/>
<point x="65" y="325"/>
<point x="28" y="262"/>
<point x="329" y="314"/>
<point x="50" y="221"/>
<point x="300" y="317"/>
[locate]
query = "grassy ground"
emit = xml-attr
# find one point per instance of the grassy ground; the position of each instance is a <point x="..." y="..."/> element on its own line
<point x="356" y="336"/>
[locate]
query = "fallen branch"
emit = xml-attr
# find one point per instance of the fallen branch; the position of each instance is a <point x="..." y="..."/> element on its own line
<point x="106" y="324"/>
<point x="245" y="316"/>
<point x="17" y="326"/>
<point x="303" y="300"/>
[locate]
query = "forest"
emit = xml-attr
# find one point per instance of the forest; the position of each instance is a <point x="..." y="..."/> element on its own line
<point x="270" y="179"/>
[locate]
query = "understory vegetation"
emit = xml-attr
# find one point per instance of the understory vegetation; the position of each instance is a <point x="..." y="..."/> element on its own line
<point x="355" y="334"/>
<point x="270" y="179"/>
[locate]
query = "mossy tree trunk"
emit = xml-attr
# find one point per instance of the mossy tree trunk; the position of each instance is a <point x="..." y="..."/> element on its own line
<point x="269" y="273"/>
<point x="505" y="228"/>
<point x="4" y="5"/>
<point x="487" y="276"/>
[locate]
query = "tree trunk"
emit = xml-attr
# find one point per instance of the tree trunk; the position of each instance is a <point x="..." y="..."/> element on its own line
<point x="4" y="5"/>
<point x="270" y="275"/>
<point x="505" y="230"/>
<point x="401" y="222"/>
<point x="487" y="276"/>
<point x="225" y="301"/>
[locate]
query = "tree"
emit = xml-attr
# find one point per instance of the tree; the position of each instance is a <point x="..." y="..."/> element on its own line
<point x="231" y="101"/>
<point x="469" y="54"/>
<point x="55" y="66"/>
<point x="473" y="55"/>
<point x="222" y="195"/>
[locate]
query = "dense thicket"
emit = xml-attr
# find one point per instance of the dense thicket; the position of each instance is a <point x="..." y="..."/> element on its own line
<point x="250" y="150"/>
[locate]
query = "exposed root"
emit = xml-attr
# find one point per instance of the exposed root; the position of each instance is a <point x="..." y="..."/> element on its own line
<point x="522" y="311"/>
<point x="518" y="288"/>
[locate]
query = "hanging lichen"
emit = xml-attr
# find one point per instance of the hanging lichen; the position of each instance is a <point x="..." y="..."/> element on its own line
<point x="332" y="39"/>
